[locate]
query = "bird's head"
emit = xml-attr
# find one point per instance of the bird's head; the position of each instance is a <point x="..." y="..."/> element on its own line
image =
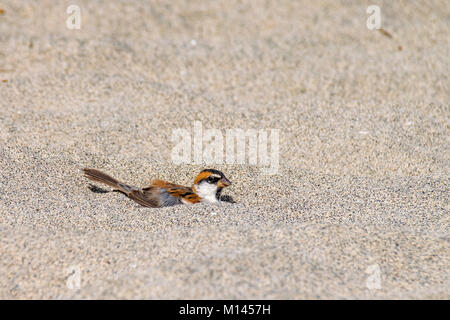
<point x="209" y="184"/>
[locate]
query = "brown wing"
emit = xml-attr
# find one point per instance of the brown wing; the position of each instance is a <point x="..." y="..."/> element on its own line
<point x="174" y="193"/>
<point x="147" y="197"/>
<point x="163" y="194"/>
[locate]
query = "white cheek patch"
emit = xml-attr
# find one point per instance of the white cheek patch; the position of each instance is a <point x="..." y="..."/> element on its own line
<point x="206" y="191"/>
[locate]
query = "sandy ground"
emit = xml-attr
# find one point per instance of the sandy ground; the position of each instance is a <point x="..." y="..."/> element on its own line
<point x="364" y="149"/>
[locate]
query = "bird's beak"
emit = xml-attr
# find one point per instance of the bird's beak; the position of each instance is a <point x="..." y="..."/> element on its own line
<point x="224" y="182"/>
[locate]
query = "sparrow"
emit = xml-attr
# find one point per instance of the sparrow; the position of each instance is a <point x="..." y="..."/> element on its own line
<point x="207" y="187"/>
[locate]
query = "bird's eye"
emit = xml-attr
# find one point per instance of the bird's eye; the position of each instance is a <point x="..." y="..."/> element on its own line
<point x="210" y="179"/>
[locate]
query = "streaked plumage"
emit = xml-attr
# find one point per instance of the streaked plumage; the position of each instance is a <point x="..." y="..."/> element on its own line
<point x="207" y="187"/>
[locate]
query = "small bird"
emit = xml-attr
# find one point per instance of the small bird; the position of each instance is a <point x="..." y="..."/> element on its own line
<point x="207" y="187"/>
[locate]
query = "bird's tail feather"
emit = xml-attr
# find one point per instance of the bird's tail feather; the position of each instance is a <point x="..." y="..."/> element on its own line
<point x="97" y="175"/>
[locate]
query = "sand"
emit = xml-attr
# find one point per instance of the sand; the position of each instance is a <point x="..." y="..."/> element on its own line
<point x="358" y="208"/>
